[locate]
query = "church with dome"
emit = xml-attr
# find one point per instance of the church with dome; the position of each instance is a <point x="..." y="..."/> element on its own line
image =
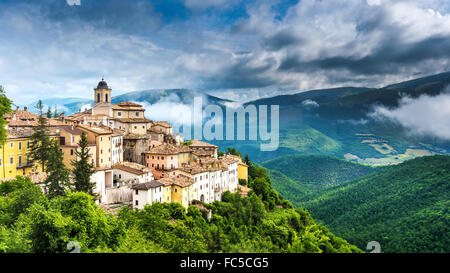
<point x="126" y="116"/>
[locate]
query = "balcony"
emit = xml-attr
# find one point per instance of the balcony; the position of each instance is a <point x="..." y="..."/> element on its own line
<point x="23" y="166"/>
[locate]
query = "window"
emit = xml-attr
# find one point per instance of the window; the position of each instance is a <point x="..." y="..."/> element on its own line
<point x="20" y="160"/>
<point x="106" y="97"/>
<point x="119" y="114"/>
<point x="101" y="138"/>
<point x="11" y="160"/>
<point x="98" y="97"/>
<point x="137" y="114"/>
<point x="0" y="161"/>
<point x="176" y="190"/>
<point x="11" y="145"/>
<point x="137" y="192"/>
<point x="135" y="127"/>
<point x="20" y="145"/>
<point x="162" y="158"/>
<point x="101" y="151"/>
<point x="28" y="144"/>
<point x="137" y="202"/>
<point x="71" y="151"/>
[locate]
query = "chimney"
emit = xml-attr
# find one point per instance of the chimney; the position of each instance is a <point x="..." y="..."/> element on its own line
<point x="17" y="107"/>
<point x="25" y="108"/>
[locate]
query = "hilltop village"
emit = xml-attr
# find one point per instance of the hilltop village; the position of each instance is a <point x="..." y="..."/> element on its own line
<point x="137" y="161"/>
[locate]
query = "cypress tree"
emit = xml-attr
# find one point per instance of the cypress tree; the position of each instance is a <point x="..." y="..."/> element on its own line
<point x="40" y="139"/>
<point x="57" y="180"/>
<point x="49" y="113"/>
<point x="83" y="170"/>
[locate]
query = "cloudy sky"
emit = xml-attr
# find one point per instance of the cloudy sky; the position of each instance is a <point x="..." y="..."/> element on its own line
<point x="240" y="49"/>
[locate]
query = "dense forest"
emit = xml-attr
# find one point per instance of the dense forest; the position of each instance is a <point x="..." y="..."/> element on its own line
<point x="298" y="177"/>
<point x="404" y="207"/>
<point x="261" y="222"/>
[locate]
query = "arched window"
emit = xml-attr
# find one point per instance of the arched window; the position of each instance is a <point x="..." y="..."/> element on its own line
<point x="98" y="97"/>
<point x="106" y="97"/>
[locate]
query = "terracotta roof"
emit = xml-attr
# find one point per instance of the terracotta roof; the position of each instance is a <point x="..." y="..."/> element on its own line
<point x="132" y="167"/>
<point x="198" y="143"/>
<point x="79" y="115"/>
<point x="133" y="120"/>
<point x="21" y="118"/>
<point x="178" y="180"/>
<point x="243" y="189"/>
<point x="202" y="153"/>
<point x="153" y="130"/>
<point x="168" y="149"/>
<point x="196" y="168"/>
<point x="147" y="185"/>
<point x="128" y="103"/>
<point x="118" y="132"/>
<point x="19" y="133"/>
<point x="96" y="130"/>
<point x="161" y="123"/>
<point x="70" y="129"/>
<point x="230" y="159"/>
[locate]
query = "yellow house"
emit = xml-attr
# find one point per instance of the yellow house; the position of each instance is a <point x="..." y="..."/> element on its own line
<point x="242" y="171"/>
<point x="177" y="189"/>
<point x="69" y="137"/>
<point x="242" y="167"/>
<point x="102" y="138"/>
<point x="14" y="153"/>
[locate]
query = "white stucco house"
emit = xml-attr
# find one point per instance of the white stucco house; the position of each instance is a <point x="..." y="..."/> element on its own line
<point x="131" y="173"/>
<point x="147" y="193"/>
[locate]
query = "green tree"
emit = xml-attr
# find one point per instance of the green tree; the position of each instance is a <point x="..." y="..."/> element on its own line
<point x="49" y="112"/>
<point x="83" y="170"/>
<point x="57" y="180"/>
<point x="5" y="107"/>
<point x="40" y="139"/>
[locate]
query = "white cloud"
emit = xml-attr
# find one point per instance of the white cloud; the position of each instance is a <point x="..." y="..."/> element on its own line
<point x="310" y="103"/>
<point x="423" y="116"/>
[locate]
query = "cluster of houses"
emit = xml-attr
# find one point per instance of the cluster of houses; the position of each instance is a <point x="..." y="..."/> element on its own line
<point x="137" y="161"/>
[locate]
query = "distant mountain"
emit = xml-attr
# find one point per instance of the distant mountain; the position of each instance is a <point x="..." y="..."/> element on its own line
<point x="183" y="96"/>
<point x="320" y="95"/>
<point x="310" y="174"/>
<point x="66" y="105"/>
<point x="404" y="207"/>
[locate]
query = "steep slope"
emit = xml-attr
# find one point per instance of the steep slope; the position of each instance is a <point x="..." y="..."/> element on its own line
<point x="318" y="172"/>
<point x="404" y="207"/>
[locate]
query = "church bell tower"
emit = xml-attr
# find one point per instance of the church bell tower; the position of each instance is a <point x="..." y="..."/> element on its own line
<point x="102" y="93"/>
<point x="102" y="99"/>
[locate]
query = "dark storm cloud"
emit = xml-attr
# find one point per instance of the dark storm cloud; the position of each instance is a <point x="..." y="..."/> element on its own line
<point x="390" y="57"/>
<point x="281" y="40"/>
<point x="242" y="75"/>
